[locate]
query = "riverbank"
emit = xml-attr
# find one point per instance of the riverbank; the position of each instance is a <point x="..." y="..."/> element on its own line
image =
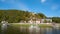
<point x="28" y="25"/>
<point x="15" y="28"/>
<point x="50" y="25"/>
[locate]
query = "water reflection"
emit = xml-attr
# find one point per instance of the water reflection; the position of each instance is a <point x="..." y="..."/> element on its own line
<point x="31" y="30"/>
<point x="56" y="31"/>
<point x="3" y="27"/>
<point x="34" y="29"/>
<point x="47" y="30"/>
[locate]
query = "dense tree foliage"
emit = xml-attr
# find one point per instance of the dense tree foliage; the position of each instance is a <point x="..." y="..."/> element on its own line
<point x="15" y="16"/>
<point x="41" y="15"/>
<point x="56" y="19"/>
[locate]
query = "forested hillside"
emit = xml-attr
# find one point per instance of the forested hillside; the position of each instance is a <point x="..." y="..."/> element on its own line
<point x="15" y="16"/>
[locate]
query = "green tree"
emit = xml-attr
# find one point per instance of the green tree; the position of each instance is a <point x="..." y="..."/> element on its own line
<point x="45" y="21"/>
<point x="56" y="19"/>
<point x="15" y="16"/>
<point x="41" y="15"/>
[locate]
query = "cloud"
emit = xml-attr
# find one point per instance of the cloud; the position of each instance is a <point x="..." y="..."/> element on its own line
<point x="11" y="1"/>
<point x="22" y="6"/>
<point x="42" y="1"/>
<point x="17" y="4"/>
<point x="8" y="1"/>
<point x="54" y="7"/>
<point x="3" y="0"/>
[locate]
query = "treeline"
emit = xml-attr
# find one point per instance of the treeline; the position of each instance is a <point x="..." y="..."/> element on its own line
<point x="16" y="16"/>
<point x="56" y="19"/>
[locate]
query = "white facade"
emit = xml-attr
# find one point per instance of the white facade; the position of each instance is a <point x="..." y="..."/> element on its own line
<point x="40" y="21"/>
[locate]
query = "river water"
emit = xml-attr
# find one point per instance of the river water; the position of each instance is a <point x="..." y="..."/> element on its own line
<point x="29" y="30"/>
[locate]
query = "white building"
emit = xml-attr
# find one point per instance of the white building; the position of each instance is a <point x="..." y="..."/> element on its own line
<point x="40" y="21"/>
<point x="47" y="20"/>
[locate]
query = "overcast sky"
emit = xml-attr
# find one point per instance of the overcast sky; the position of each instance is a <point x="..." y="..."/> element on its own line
<point x="48" y="7"/>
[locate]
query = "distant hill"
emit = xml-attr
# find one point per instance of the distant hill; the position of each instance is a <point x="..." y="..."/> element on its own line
<point x="15" y="16"/>
<point x="18" y="15"/>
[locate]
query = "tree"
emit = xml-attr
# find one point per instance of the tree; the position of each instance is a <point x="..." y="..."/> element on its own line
<point x="15" y="16"/>
<point x="56" y="19"/>
<point x="45" y="21"/>
<point x="41" y="15"/>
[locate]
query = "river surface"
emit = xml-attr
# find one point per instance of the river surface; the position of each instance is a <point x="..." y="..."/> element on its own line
<point x="29" y="30"/>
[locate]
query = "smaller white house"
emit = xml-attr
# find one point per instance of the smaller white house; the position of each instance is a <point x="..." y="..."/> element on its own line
<point x="38" y="21"/>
